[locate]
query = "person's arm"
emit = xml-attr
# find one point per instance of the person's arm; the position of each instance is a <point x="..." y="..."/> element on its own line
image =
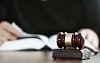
<point x="7" y="32"/>
<point x="90" y="21"/>
<point x="91" y="36"/>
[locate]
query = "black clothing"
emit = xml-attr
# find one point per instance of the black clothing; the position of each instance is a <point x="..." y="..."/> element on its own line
<point x="52" y="16"/>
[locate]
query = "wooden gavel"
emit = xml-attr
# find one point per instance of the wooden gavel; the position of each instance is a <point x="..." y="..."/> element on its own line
<point x="73" y="40"/>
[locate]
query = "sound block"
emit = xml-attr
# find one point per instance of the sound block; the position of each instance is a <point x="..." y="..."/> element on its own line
<point x="71" y="54"/>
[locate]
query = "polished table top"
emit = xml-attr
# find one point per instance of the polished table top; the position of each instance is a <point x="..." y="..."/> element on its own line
<point x="39" y="57"/>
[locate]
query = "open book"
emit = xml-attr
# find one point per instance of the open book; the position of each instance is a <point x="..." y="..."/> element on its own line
<point x="29" y="41"/>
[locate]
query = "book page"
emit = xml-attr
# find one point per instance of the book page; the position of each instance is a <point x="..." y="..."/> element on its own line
<point x="28" y="43"/>
<point x="24" y="34"/>
<point x="52" y="42"/>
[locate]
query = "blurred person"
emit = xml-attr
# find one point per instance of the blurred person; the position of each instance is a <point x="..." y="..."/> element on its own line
<point x="49" y="17"/>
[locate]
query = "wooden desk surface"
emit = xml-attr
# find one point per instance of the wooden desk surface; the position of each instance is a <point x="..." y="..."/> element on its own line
<point x="39" y="57"/>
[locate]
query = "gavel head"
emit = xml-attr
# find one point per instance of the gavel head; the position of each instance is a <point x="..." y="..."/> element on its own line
<point x="74" y="40"/>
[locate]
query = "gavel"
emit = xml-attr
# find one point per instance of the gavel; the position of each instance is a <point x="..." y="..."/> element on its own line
<point x="73" y="46"/>
<point x="72" y="40"/>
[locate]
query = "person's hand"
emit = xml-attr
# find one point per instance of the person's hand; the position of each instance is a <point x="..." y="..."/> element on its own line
<point x="7" y="32"/>
<point x="91" y="37"/>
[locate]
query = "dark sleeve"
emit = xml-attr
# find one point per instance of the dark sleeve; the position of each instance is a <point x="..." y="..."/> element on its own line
<point x="91" y="15"/>
<point x="2" y="11"/>
<point x="3" y="16"/>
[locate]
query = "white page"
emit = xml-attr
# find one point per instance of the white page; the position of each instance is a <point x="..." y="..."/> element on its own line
<point x="24" y="34"/>
<point x="53" y="42"/>
<point x="29" y="43"/>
